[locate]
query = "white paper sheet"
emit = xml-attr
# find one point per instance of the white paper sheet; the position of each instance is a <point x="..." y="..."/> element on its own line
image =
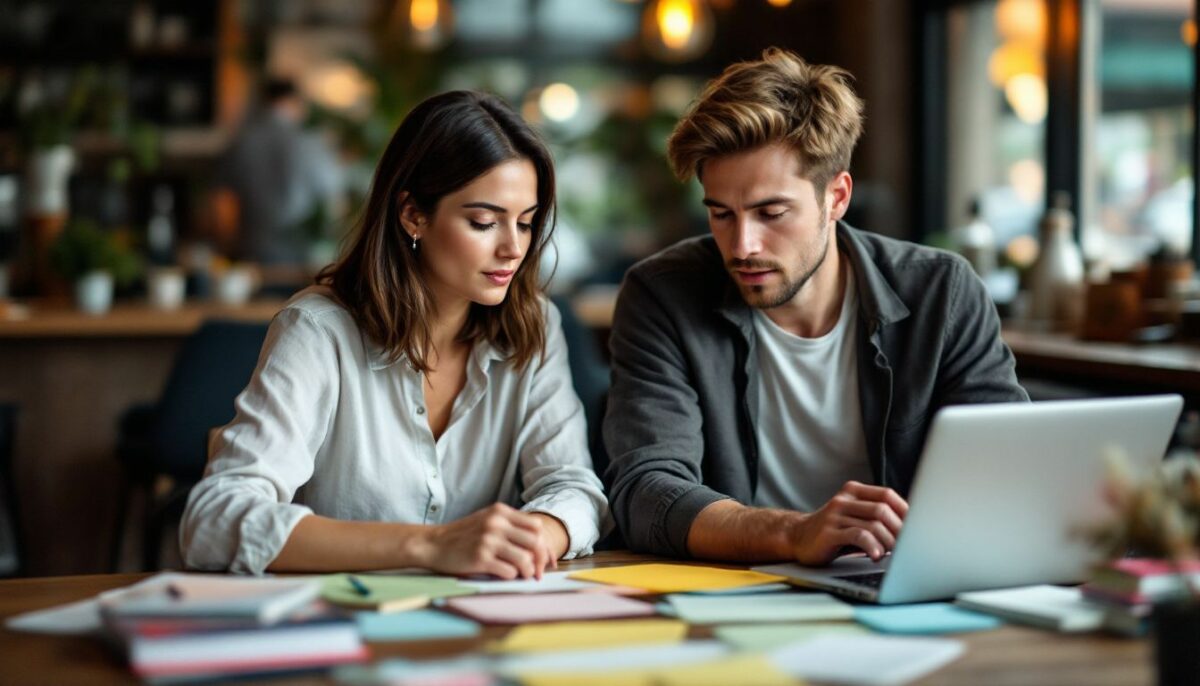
<point x="551" y="582"/>
<point x="866" y="660"/>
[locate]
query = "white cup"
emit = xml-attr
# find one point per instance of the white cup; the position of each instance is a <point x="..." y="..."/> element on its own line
<point x="165" y="287"/>
<point x="94" y="292"/>
<point x="235" y="285"/>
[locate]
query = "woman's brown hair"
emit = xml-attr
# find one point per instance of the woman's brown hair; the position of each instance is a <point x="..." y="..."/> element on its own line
<point x="445" y="143"/>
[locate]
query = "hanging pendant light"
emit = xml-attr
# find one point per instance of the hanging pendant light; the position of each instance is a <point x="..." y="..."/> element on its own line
<point x="677" y="30"/>
<point x="424" y="24"/>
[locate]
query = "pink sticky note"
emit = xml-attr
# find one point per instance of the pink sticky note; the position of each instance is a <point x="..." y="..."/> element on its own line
<point x="548" y="607"/>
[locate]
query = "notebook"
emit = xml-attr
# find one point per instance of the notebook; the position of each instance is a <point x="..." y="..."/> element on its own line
<point x="1050" y="607"/>
<point x="203" y="596"/>
<point x="216" y="654"/>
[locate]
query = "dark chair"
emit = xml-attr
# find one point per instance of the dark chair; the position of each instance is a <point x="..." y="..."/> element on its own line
<point x="590" y="376"/>
<point x="170" y="437"/>
<point x="589" y="371"/>
<point x="12" y="553"/>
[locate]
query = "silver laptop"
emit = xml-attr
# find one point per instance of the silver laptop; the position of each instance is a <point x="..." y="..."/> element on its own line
<point x="999" y="497"/>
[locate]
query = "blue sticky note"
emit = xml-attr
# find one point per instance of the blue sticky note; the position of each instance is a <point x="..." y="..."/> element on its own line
<point x="414" y="625"/>
<point x="923" y="618"/>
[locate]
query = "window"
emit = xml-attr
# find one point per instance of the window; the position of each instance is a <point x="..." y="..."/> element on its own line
<point x="1138" y="177"/>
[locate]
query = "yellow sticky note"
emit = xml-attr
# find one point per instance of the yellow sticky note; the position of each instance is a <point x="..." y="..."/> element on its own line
<point x="601" y="634"/>
<point x="669" y="578"/>
<point x="623" y="678"/>
<point x="746" y="670"/>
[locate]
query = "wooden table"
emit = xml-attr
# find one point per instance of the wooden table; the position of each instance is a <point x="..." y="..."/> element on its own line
<point x="1008" y="656"/>
<point x="72" y="375"/>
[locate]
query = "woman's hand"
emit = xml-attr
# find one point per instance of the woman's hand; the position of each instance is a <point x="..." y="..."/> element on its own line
<point x="496" y="540"/>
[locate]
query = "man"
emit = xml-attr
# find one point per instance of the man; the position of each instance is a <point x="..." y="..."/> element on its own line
<point x="773" y="382"/>
<point x="283" y="176"/>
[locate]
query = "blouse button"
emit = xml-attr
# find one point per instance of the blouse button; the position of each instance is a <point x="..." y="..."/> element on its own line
<point x="420" y="410"/>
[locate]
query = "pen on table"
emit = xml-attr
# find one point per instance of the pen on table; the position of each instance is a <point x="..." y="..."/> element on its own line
<point x="359" y="587"/>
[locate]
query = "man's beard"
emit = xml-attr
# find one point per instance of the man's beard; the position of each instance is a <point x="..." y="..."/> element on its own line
<point x="755" y="296"/>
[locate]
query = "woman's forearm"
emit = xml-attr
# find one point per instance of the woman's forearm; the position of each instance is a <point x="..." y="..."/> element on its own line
<point x="321" y="544"/>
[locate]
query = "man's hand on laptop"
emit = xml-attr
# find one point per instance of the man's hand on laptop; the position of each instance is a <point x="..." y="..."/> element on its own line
<point x="861" y="516"/>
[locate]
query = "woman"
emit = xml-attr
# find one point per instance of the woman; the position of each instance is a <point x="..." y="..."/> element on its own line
<point x="419" y="393"/>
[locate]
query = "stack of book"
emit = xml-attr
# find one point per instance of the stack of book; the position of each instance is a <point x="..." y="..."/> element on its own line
<point x="1129" y="588"/>
<point x="187" y="627"/>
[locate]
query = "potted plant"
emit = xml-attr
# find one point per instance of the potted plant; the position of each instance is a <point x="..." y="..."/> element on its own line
<point x="1158" y="519"/>
<point x="95" y="261"/>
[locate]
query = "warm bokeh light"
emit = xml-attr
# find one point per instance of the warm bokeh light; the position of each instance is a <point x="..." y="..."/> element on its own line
<point x="1187" y="31"/>
<point x="337" y="86"/>
<point x="1026" y="93"/>
<point x="676" y="21"/>
<point x="1028" y="180"/>
<point x="779" y="3"/>
<point x="677" y="30"/>
<point x="559" y="102"/>
<point x="1014" y="58"/>
<point x="423" y="14"/>
<point x="426" y="24"/>
<point x="1022" y="20"/>
<point x="1022" y="251"/>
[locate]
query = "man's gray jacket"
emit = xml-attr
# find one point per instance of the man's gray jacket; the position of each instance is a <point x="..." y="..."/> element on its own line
<point x="680" y="426"/>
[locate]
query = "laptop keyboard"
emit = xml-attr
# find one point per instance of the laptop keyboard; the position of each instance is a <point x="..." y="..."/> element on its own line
<point x="869" y="579"/>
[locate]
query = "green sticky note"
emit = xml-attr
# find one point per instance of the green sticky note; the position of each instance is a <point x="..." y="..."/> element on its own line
<point x="389" y="589"/>
<point x="767" y="637"/>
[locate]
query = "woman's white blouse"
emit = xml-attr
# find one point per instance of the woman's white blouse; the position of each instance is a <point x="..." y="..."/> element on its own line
<point x="327" y="426"/>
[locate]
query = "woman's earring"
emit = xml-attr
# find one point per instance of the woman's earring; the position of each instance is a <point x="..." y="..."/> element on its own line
<point x="414" y="243"/>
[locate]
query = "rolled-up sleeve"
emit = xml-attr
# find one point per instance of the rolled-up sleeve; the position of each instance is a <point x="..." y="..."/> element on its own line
<point x="241" y="513"/>
<point x="653" y="428"/>
<point x="556" y="468"/>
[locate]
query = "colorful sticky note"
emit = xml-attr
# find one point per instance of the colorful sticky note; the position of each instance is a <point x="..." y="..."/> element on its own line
<point x="551" y="582"/>
<point x="764" y="637"/>
<point x="388" y="590"/>
<point x="745" y="670"/>
<point x="570" y="635"/>
<point x="417" y="625"/>
<point x="763" y="607"/>
<point x="548" y="607"/>
<point x="675" y="578"/>
<point x="924" y="618"/>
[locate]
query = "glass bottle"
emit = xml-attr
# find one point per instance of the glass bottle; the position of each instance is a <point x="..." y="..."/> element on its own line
<point x="976" y="241"/>
<point x="1056" y="283"/>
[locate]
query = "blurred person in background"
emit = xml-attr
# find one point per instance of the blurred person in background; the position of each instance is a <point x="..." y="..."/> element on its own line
<point x="285" y="179"/>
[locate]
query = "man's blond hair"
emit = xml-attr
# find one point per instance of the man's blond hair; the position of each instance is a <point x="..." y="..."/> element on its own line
<point x="777" y="99"/>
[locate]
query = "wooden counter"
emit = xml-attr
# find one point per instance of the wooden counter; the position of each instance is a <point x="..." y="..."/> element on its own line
<point x="39" y="320"/>
<point x="72" y="375"/>
<point x="1152" y="367"/>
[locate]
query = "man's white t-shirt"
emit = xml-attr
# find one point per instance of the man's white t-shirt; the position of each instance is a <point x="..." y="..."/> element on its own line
<point x="810" y="435"/>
